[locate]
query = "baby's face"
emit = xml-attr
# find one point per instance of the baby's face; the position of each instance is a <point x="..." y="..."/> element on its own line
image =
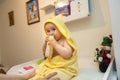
<point x="52" y="30"/>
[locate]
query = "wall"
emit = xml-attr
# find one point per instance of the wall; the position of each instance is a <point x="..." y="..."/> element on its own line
<point x="0" y="42"/>
<point x="115" y="18"/>
<point x="20" y="42"/>
<point x="88" y="32"/>
<point x="23" y="42"/>
<point x="0" y="33"/>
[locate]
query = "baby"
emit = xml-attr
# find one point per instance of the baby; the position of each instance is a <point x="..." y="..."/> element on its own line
<point x="62" y="58"/>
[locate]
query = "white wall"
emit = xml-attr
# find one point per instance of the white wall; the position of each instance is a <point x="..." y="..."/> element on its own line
<point x="23" y="42"/>
<point x="114" y="6"/>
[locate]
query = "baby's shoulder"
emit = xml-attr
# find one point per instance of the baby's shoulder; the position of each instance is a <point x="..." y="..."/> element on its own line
<point x="62" y="41"/>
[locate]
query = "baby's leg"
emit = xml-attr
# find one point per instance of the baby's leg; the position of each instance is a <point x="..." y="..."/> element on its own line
<point x="50" y="75"/>
<point x="61" y="75"/>
<point x="56" y="79"/>
<point x="43" y="79"/>
<point x="51" y="79"/>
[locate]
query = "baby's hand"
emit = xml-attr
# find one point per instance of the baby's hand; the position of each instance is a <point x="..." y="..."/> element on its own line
<point x="51" y="40"/>
<point x="48" y="38"/>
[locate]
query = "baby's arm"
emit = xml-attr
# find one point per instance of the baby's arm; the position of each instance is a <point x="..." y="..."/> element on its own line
<point x="45" y="45"/>
<point x="64" y="50"/>
<point x="44" y="48"/>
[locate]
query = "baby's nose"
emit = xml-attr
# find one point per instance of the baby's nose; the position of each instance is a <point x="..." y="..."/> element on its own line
<point x="51" y="33"/>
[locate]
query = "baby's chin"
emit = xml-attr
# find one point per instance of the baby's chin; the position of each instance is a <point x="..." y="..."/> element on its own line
<point x="57" y="39"/>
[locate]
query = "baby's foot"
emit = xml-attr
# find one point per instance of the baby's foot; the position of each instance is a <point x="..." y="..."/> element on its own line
<point x="56" y="79"/>
<point x="43" y="79"/>
<point x="50" y="75"/>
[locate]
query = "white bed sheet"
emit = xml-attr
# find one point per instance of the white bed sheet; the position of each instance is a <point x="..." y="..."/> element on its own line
<point x="18" y="68"/>
<point x="87" y="70"/>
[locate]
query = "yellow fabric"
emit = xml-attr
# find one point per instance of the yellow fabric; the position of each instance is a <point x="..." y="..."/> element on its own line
<point x="64" y="67"/>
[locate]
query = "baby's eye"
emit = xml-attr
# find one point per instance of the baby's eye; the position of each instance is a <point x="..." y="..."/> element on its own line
<point x="53" y="29"/>
<point x="48" y="31"/>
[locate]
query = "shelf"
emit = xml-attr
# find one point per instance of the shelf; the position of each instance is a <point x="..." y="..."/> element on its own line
<point x="47" y="7"/>
<point x="47" y="4"/>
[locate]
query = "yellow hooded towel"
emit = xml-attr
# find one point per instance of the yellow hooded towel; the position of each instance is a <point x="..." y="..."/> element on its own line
<point x="65" y="68"/>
